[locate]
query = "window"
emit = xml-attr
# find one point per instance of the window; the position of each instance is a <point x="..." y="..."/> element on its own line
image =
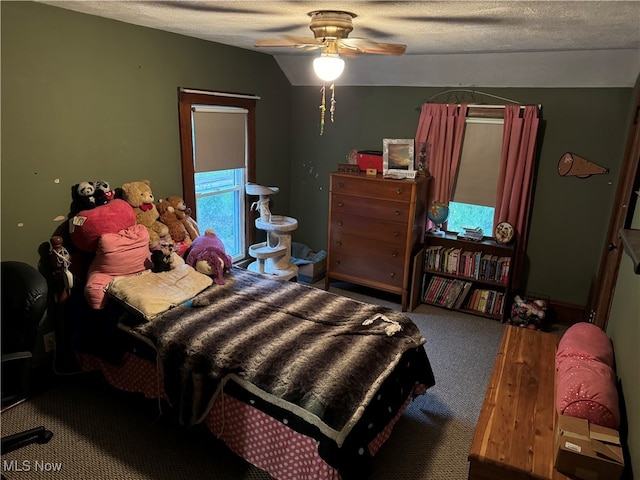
<point x="217" y="142"/>
<point x="474" y="194"/>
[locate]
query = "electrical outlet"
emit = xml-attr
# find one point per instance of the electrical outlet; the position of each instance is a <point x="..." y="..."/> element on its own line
<point x="49" y="341"/>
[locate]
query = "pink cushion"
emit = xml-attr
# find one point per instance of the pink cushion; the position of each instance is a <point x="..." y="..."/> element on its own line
<point x="110" y="218"/>
<point x="123" y="253"/>
<point x="587" y="389"/>
<point x="586" y="341"/>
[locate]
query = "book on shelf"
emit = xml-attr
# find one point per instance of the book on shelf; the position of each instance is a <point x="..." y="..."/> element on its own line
<point x="486" y="301"/>
<point x="474" y="234"/>
<point x="463" y="295"/>
<point x="446" y="292"/>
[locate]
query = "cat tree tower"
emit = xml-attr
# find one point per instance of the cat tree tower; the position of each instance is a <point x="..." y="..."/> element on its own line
<point x="273" y="257"/>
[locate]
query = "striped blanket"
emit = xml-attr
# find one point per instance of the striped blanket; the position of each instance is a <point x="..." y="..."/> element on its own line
<point x="314" y="353"/>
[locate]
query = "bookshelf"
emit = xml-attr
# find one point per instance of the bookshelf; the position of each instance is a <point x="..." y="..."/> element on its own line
<point x="468" y="276"/>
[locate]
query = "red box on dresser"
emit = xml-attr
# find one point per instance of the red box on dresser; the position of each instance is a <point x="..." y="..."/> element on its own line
<point x="370" y="159"/>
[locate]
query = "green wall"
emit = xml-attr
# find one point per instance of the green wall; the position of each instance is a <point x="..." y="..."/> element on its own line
<point x="85" y="98"/>
<point x="570" y="216"/>
<point x="624" y="330"/>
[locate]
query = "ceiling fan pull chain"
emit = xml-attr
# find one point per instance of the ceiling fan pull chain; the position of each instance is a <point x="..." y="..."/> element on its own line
<point x="332" y="109"/>
<point x="323" y="108"/>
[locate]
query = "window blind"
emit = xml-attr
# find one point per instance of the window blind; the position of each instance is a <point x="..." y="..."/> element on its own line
<point x="219" y="138"/>
<point x="477" y="178"/>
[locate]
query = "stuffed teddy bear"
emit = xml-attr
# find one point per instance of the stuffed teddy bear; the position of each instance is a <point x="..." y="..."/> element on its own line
<point x="177" y="230"/>
<point x="140" y="197"/>
<point x="207" y="255"/>
<point x="183" y="214"/>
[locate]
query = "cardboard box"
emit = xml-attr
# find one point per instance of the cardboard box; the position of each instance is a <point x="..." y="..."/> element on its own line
<point x="588" y="451"/>
<point x="370" y="159"/>
<point x="312" y="272"/>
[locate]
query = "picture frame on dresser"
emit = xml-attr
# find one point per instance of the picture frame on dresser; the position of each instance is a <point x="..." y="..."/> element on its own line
<point x="398" y="157"/>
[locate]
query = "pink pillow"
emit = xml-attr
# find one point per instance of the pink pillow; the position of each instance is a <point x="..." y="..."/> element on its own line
<point x="586" y="341"/>
<point x="123" y="253"/>
<point x="109" y="218"/>
<point x="587" y="389"/>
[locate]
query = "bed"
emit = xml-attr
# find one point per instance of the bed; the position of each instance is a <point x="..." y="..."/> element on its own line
<point x="300" y="382"/>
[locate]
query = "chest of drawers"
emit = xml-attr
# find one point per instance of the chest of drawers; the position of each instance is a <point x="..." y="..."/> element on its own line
<point x="376" y="225"/>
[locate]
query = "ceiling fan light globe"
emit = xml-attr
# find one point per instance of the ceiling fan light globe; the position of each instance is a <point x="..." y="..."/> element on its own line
<point x="328" y="67"/>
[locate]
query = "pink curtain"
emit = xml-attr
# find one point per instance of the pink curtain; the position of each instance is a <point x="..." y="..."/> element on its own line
<point x="515" y="179"/>
<point x="441" y="128"/>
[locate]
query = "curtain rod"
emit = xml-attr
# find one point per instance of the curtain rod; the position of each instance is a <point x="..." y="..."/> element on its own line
<point x="474" y="92"/>
<point x="475" y="105"/>
<point x="219" y="94"/>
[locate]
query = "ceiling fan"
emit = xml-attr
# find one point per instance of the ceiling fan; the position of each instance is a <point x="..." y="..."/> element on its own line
<point x="331" y="29"/>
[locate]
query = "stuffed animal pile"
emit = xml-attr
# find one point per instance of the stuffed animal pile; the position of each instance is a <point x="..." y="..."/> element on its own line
<point x="128" y="235"/>
<point x="109" y="232"/>
<point x="528" y="313"/>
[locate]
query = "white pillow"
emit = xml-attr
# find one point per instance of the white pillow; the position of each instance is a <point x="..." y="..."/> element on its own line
<point x="149" y="294"/>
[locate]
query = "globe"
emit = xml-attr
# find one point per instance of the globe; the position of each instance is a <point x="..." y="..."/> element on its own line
<point x="438" y="213"/>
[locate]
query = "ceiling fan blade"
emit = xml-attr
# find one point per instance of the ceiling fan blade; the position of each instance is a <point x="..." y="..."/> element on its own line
<point x="363" y="45"/>
<point x="289" y="41"/>
<point x="210" y="7"/>
<point x="457" y="20"/>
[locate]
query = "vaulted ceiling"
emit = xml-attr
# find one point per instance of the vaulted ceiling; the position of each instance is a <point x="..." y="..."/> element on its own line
<point x="449" y="43"/>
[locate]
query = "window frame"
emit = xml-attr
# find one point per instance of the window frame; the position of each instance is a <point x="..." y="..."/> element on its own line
<point x="187" y="98"/>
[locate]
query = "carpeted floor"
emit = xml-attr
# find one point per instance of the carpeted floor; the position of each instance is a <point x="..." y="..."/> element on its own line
<point x="101" y="434"/>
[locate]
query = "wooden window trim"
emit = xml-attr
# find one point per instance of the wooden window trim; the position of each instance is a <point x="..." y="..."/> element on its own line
<point x="186" y="99"/>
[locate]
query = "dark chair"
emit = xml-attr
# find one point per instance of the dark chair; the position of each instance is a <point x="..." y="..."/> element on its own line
<point x="24" y="305"/>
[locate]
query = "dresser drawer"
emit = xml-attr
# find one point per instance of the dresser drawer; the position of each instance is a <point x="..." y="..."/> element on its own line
<point x="365" y="207"/>
<point x="396" y="190"/>
<point x="392" y="254"/>
<point x="374" y="228"/>
<point x="370" y="270"/>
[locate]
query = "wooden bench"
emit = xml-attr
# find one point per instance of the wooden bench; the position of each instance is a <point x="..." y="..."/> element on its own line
<point x="514" y="437"/>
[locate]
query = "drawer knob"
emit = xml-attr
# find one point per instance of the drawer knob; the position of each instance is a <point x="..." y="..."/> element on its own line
<point x="341" y="184"/>
<point x="337" y="263"/>
<point x="339" y="243"/>
<point x="340" y="223"/>
<point x="397" y="213"/>
<point x="340" y="204"/>
<point x="392" y="274"/>
<point x="399" y="191"/>
<point x="395" y="234"/>
<point x="394" y="254"/>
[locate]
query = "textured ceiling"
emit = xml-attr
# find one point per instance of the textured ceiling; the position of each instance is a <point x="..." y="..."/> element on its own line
<point x="449" y="43"/>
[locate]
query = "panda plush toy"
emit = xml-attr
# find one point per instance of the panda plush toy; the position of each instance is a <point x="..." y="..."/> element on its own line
<point x="83" y="197"/>
<point x="88" y="195"/>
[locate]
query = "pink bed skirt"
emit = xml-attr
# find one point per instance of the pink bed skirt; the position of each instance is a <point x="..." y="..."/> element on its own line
<point x="250" y="433"/>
